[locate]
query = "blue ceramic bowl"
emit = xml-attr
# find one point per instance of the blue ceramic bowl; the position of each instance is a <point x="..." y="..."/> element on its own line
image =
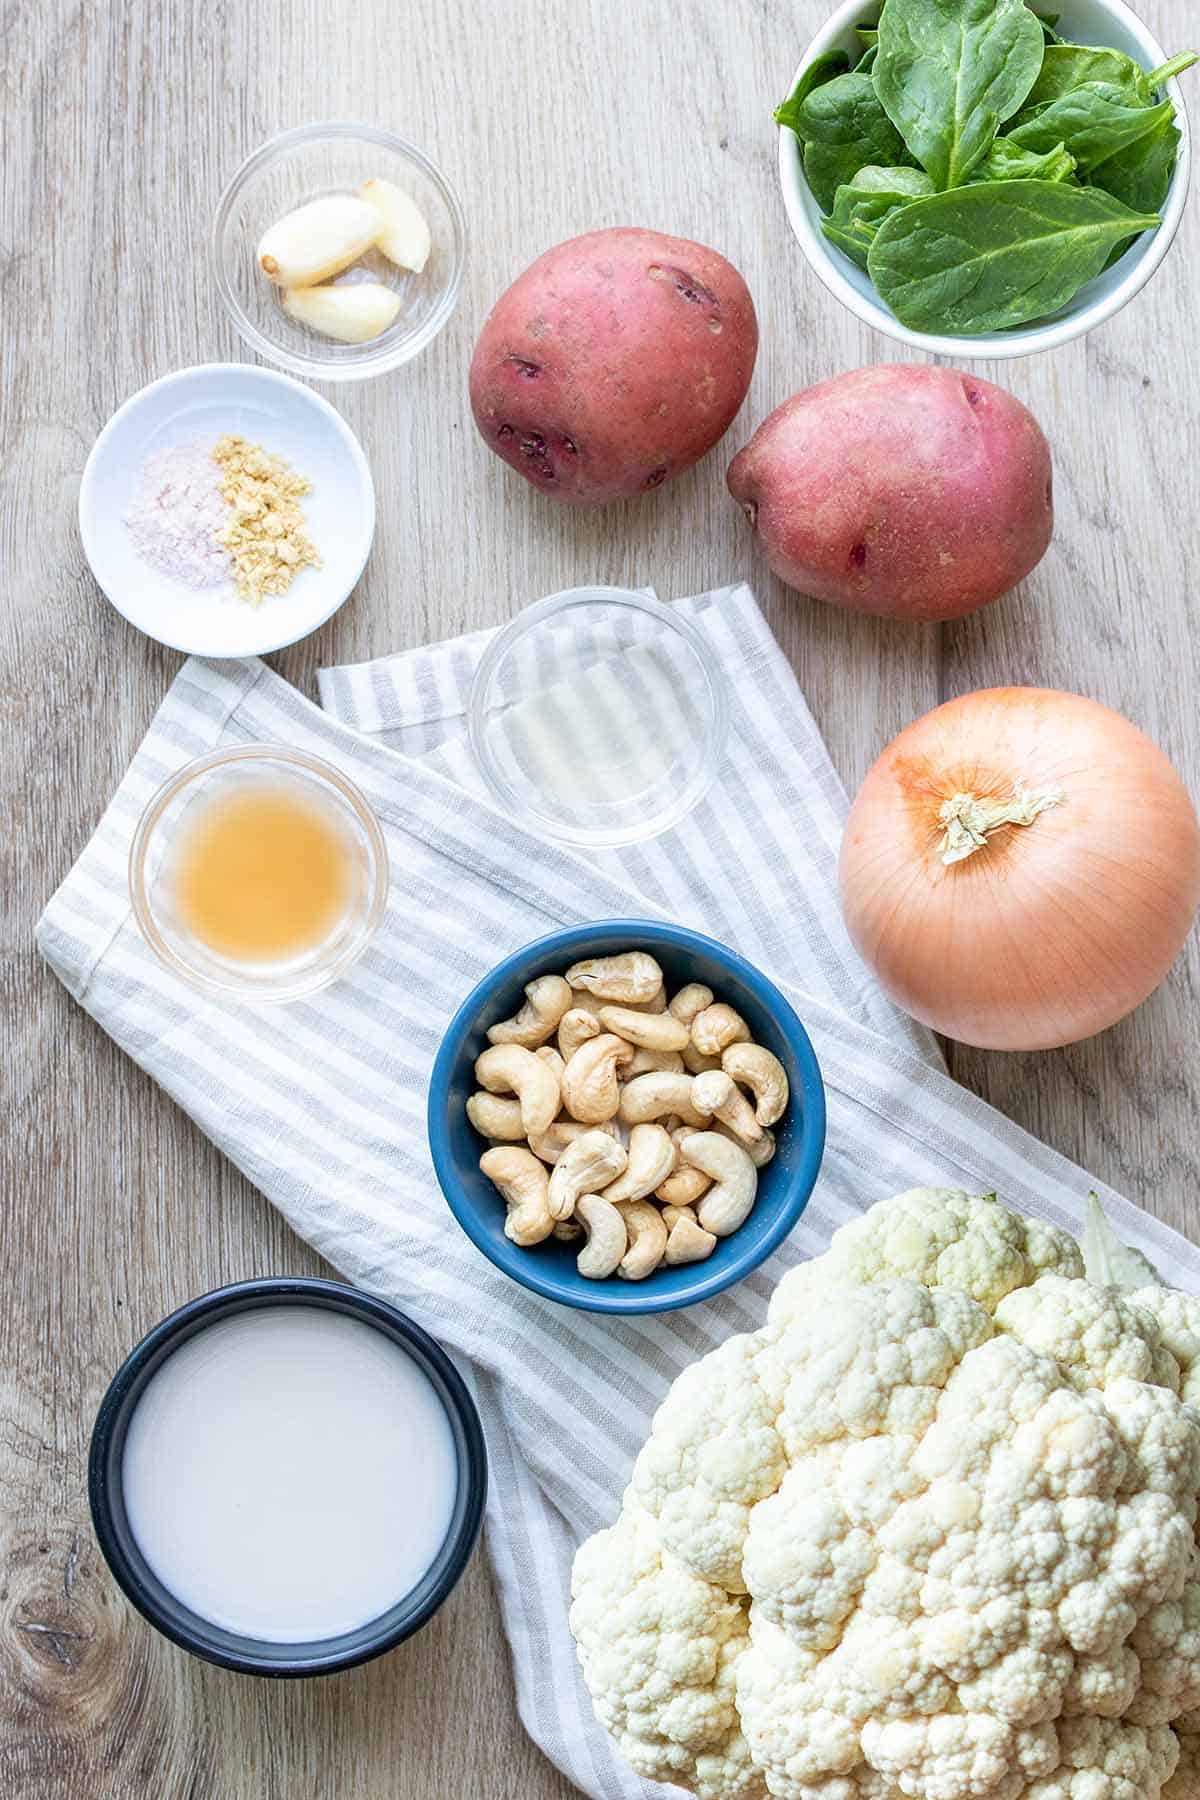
<point x="783" y="1187"/>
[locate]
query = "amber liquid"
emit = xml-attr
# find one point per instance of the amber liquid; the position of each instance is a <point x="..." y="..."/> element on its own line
<point x="262" y="871"/>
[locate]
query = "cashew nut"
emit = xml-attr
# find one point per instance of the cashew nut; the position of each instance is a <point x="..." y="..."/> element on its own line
<point x="671" y="1215"/>
<point x="590" y="1090"/>
<point x="728" y="1202"/>
<point x="568" y="1231"/>
<point x="653" y="1096"/>
<point x="717" y="1094"/>
<point x="494" y="1117"/>
<point x="763" y="1074"/>
<point x="651" y="1159"/>
<point x="549" y="1145"/>
<point x="525" y="1185"/>
<point x="511" y="1069"/>
<point x="760" y="1151"/>
<point x="690" y="1001"/>
<point x="647" y="1240"/>
<point x="575" y="1028"/>
<point x="716" y="1027"/>
<point x="696" y="1063"/>
<point x="657" y="1003"/>
<point x="688" y="1242"/>
<point x="546" y="1000"/>
<point x="650" y="1031"/>
<point x="584" y="1167"/>
<point x="685" y="1186"/>
<point x="630" y="978"/>
<point x="606" y="1237"/>
<point x="552" y="1059"/>
<point x="644" y="1061"/>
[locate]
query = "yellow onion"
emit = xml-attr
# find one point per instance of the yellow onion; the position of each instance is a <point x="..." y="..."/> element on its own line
<point x="1020" y="868"/>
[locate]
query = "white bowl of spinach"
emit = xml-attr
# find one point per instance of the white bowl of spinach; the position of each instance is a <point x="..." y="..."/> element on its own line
<point x="972" y="175"/>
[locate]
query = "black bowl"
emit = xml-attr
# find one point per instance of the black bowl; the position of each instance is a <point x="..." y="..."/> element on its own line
<point x="256" y="1656"/>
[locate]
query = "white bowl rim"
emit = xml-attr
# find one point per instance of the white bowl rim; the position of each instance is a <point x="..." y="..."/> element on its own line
<point x="244" y="371"/>
<point x="385" y="358"/>
<point x="994" y="345"/>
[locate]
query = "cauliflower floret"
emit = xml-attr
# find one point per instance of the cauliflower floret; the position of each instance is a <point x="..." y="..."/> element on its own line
<point x="806" y="1562"/>
<point x="940" y="1238"/>
<point x="1104" y="1759"/>
<point x="1185" y="1783"/>
<point x="659" y="1648"/>
<point x="1103" y="1685"/>
<point x="1178" y="1319"/>
<point x="955" y="1756"/>
<point x="802" y="1722"/>
<point x="1092" y="1333"/>
<point x="712" y="1454"/>
<point x="1167" y="1643"/>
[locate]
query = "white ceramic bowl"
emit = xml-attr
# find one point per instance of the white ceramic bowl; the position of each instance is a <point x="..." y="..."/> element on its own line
<point x="284" y="417"/>
<point x="1105" y="22"/>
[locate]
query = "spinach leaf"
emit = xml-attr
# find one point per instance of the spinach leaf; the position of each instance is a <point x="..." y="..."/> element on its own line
<point x="861" y="206"/>
<point x="843" y="127"/>
<point x="1068" y="66"/>
<point x="1093" y="121"/>
<point x="820" y="70"/>
<point x="867" y="60"/>
<point x="950" y="72"/>
<point x="912" y="184"/>
<point x="998" y="254"/>
<point x="868" y="38"/>
<point x="1006" y="161"/>
<point x="1048" y="21"/>
<point x="1140" y="175"/>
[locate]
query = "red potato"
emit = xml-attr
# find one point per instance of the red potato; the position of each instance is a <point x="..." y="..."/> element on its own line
<point x="904" y="490"/>
<point x="617" y="360"/>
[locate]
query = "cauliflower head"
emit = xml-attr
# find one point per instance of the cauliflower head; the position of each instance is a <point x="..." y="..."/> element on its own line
<point x="930" y="1534"/>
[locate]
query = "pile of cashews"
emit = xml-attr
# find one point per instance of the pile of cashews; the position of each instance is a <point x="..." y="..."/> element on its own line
<point x="634" y="1122"/>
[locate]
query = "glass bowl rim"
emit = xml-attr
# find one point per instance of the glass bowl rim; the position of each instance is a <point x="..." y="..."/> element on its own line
<point x="309" y="981"/>
<point x="400" y="350"/>
<point x="528" y="620"/>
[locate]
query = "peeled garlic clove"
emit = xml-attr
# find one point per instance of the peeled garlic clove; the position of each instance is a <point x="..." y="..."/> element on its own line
<point x="317" y="240"/>
<point x="353" y="314"/>
<point x="404" y="238"/>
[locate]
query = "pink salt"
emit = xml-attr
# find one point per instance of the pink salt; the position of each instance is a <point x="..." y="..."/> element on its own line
<point x="176" y="514"/>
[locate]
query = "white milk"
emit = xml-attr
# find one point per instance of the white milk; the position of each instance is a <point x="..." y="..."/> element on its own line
<point x="289" y="1473"/>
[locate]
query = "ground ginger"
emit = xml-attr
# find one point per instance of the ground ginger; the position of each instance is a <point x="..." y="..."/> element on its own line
<point x="266" y="538"/>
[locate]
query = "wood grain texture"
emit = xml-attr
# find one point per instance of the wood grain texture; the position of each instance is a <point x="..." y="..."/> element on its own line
<point x="121" y="124"/>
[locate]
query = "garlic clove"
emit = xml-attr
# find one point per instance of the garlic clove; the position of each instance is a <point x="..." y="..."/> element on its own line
<point x="353" y="314"/>
<point x="317" y="240"/>
<point x="405" y="238"/>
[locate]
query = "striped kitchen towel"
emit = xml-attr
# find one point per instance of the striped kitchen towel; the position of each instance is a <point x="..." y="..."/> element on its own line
<point x="322" y="1103"/>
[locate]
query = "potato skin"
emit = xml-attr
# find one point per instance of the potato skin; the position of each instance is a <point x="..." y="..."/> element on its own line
<point x="904" y="490"/>
<point x="617" y="360"/>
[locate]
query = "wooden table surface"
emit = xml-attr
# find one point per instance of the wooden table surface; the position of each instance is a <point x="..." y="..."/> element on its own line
<point x="552" y="116"/>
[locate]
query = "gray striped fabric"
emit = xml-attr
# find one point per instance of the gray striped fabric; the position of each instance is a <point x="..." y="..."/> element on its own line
<point x="322" y="1103"/>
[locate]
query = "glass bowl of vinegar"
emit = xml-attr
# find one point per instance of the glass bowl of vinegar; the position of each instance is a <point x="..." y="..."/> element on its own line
<point x="258" y="873"/>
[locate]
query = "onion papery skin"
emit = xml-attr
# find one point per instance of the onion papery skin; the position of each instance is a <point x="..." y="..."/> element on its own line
<point x="1053" y="930"/>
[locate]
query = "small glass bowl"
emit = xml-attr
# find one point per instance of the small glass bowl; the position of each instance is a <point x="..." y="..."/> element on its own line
<point x="598" y="717"/>
<point x="150" y="871"/>
<point x="303" y="165"/>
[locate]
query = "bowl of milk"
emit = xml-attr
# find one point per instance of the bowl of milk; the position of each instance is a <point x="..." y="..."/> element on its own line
<point x="287" y="1477"/>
